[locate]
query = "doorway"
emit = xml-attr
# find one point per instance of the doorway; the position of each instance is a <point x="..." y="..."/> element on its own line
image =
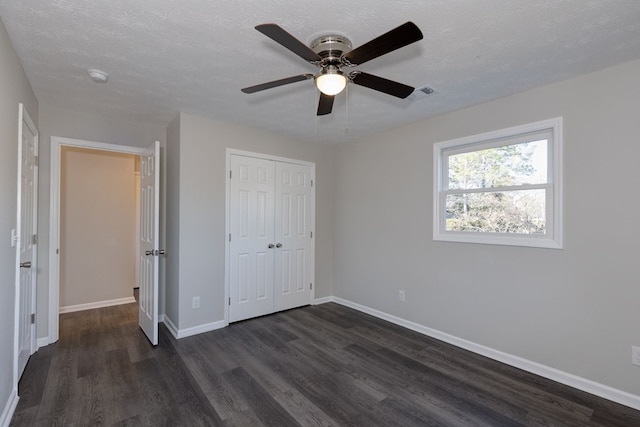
<point x="150" y="198"/>
<point x="98" y="228"/>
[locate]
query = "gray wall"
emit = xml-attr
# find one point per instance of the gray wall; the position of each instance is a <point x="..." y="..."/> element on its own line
<point x="202" y="197"/>
<point x="61" y="122"/>
<point x="574" y="309"/>
<point x="172" y="279"/>
<point x="14" y="89"/>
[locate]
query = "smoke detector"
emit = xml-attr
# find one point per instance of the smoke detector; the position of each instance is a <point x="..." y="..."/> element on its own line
<point x="98" y="76"/>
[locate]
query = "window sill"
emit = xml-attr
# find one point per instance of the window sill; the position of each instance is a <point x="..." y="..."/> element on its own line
<point x="505" y="240"/>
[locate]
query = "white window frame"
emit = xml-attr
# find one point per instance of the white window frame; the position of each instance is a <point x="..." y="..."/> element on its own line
<point x="553" y="236"/>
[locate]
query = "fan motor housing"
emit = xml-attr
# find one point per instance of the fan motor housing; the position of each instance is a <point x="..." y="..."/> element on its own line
<point x="331" y="47"/>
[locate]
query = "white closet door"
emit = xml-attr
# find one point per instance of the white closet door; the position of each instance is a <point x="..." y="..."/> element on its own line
<point x="294" y="258"/>
<point x="251" y="225"/>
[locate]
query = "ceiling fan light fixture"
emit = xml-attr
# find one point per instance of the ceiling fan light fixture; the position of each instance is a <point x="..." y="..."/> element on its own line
<point x="331" y="81"/>
<point x="331" y="52"/>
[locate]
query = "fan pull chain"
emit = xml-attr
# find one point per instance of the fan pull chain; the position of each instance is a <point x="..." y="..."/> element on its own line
<point x="315" y="102"/>
<point x="346" y="112"/>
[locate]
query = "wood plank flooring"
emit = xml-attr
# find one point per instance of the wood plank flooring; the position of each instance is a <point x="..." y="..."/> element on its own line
<point x="321" y="365"/>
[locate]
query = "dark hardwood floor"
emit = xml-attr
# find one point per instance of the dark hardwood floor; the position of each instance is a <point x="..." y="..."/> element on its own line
<point x="313" y="366"/>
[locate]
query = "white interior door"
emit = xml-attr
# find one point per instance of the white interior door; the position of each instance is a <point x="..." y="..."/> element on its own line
<point x="26" y="243"/>
<point x="149" y="241"/>
<point x="294" y="258"/>
<point x="251" y="245"/>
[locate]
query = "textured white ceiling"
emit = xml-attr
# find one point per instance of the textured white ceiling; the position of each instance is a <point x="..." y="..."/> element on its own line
<point x="193" y="56"/>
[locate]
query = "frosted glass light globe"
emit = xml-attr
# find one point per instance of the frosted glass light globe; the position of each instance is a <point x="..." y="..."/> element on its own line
<point x="331" y="83"/>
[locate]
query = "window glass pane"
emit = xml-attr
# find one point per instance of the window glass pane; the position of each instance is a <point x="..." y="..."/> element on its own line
<point x="521" y="211"/>
<point x="514" y="164"/>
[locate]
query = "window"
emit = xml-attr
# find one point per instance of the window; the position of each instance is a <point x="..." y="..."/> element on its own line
<point x="502" y="187"/>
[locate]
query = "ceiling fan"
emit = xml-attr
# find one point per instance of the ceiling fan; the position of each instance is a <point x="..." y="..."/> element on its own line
<point x="332" y="53"/>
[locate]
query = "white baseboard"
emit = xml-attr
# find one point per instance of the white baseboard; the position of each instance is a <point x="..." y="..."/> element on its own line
<point x="99" y="304"/>
<point x="200" y="329"/>
<point x="42" y="342"/>
<point x="170" y="325"/>
<point x="9" y="409"/>
<point x="195" y="330"/>
<point x="322" y="300"/>
<point x="601" y="390"/>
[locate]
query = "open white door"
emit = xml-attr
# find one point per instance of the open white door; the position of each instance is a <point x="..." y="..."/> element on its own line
<point x="26" y="249"/>
<point x="149" y="240"/>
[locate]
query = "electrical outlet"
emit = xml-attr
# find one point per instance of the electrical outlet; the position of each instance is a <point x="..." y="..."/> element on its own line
<point x="195" y="302"/>
<point x="635" y="355"/>
<point x="401" y="296"/>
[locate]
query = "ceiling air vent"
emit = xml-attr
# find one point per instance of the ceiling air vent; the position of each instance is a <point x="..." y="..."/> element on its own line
<point x="421" y="93"/>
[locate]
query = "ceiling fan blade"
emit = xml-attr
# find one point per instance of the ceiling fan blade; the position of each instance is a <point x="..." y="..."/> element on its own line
<point x="325" y="105"/>
<point x="381" y="84"/>
<point x="276" y="83"/>
<point x="401" y="36"/>
<point x="279" y="35"/>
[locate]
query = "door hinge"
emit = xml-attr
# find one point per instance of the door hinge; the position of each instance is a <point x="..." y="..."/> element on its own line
<point x="230" y="174"/>
<point x="229" y="300"/>
<point x="312" y="183"/>
<point x="311" y="234"/>
<point x="311" y="286"/>
<point x="34" y="239"/>
<point x="229" y="236"/>
<point x="36" y="161"/>
<point x="57" y="251"/>
<point x="33" y="318"/>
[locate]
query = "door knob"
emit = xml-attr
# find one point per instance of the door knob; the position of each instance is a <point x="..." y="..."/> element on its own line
<point x="26" y="264"/>
<point x="278" y="245"/>
<point x="270" y="245"/>
<point x="155" y="252"/>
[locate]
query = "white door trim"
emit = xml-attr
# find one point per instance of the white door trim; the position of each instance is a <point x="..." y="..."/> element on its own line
<point x="227" y="214"/>
<point x="54" y="217"/>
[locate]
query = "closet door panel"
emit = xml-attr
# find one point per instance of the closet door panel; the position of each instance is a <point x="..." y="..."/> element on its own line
<point x="251" y="225"/>
<point x="294" y="246"/>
